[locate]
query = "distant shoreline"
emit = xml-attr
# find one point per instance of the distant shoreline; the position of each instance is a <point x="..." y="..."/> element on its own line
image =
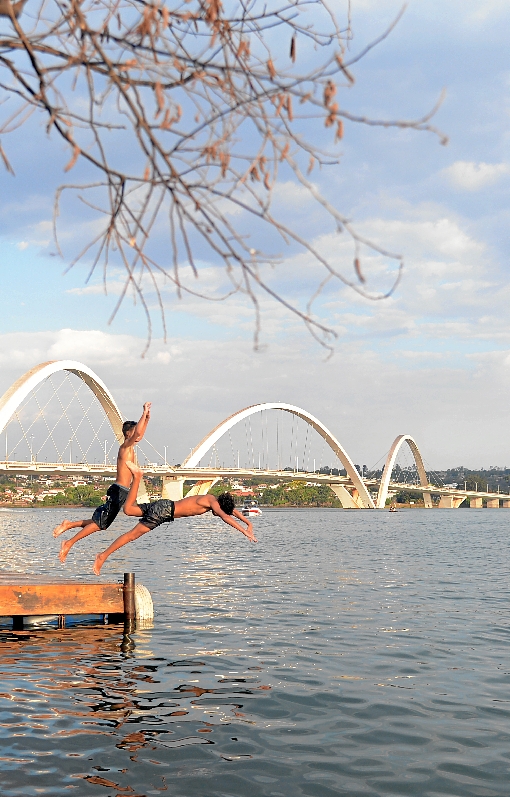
<point x="48" y="506"/>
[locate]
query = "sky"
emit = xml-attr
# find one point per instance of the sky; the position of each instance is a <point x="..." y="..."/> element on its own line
<point x="433" y="360"/>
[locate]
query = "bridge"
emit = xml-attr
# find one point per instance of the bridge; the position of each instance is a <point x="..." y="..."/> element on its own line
<point x="353" y="490"/>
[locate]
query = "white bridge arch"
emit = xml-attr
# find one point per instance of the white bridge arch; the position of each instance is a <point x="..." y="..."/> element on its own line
<point x="388" y="467"/>
<point x="17" y="393"/>
<point x="353" y="495"/>
<point x="364" y="499"/>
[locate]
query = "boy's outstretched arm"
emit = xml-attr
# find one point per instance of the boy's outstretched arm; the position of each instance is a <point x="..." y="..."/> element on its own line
<point x="218" y="511"/>
<point x="141" y="426"/>
<point x="138" y="431"/>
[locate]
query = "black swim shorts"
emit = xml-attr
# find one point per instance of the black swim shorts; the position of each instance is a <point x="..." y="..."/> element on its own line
<point x="157" y="512"/>
<point x="115" y="498"/>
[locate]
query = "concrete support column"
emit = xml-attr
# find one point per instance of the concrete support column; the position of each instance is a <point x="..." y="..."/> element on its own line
<point x="475" y="503"/>
<point x="506" y="503"/>
<point x="202" y="488"/>
<point x="142" y="496"/>
<point x="427" y="501"/>
<point x="492" y="503"/>
<point x="344" y="496"/>
<point x="172" y="488"/>
<point x="451" y="501"/>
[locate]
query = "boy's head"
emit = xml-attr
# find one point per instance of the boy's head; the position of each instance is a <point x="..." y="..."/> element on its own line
<point x="128" y="427"/>
<point x="227" y="503"/>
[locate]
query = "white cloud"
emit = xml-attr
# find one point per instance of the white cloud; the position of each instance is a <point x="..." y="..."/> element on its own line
<point x="471" y="176"/>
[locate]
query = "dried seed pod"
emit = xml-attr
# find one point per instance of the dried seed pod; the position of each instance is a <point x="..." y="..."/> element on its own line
<point x="293" y="49"/>
<point x="357" y="268"/>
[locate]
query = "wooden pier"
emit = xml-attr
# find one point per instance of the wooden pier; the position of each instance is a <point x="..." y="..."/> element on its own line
<point x="23" y="596"/>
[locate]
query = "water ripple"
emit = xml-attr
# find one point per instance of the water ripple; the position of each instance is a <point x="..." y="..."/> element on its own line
<point x="347" y="654"/>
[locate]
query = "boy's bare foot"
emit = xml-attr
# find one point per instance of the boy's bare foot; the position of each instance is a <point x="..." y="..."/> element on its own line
<point x="98" y="564"/>
<point x="133" y="468"/>
<point x="64" y="526"/>
<point x="65" y="547"/>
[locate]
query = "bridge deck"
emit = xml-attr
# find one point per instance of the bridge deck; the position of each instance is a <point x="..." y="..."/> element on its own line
<point x="208" y="473"/>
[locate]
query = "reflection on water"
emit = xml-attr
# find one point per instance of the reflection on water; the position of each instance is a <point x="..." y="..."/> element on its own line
<point x="347" y="654"/>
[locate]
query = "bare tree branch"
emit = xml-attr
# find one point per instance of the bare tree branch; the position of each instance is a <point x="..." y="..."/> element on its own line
<point x="190" y="113"/>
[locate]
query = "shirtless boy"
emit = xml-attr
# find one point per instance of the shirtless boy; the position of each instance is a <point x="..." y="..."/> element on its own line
<point x="116" y="494"/>
<point x="165" y="511"/>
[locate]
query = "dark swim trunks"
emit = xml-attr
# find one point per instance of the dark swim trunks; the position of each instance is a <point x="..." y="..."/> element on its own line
<point x="115" y="498"/>
<point x="157" y="512"/>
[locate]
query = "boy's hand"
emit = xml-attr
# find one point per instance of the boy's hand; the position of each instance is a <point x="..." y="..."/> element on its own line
<point x="249" y="530"/>
<point x="147" y="408"/>
<point x="249" y="533"/>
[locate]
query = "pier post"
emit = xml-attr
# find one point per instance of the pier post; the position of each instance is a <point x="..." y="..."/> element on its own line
<point x="129" y="600"/>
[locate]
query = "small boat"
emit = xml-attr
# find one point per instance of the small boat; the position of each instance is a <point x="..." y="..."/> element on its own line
<point x="250" y="509"/>
<point x="393" y="508"/>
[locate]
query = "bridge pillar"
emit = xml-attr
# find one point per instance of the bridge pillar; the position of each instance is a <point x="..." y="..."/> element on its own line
<point x="451" y="501"/>
<point x="475" y="503"/>
<point x="142" y="496"/>
<point x="492" y="503"/>
<point x="427" y="501"/>
<point x="172" y="488"/>
<point x="347" y="500"/>
<point x="202" y="488"/>
<point x="506" y="503"/>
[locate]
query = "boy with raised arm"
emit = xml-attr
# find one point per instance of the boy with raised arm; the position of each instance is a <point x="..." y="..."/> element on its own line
<point x="116" y="494"/>
<point x="165" y="511"/>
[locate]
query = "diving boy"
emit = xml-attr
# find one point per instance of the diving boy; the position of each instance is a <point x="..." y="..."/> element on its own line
<point x="116" y="494"/>
<point x="165" y="511"/>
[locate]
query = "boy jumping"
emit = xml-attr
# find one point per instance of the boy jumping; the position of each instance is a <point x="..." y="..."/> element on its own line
<point x="116" y="494"/>
<point x="165" y="511"/>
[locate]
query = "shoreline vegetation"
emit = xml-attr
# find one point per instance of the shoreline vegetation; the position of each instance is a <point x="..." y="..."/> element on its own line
<point x="21" y="491"/>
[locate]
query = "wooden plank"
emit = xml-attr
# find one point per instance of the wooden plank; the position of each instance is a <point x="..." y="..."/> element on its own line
<point x="60" y="598"/>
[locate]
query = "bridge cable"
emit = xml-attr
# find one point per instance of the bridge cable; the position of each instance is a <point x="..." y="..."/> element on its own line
<point x="232" y="447"/>
<point x="251" y="441"/>
<point x="17" y="416"/>
<point x="41" y="414"/>
<point x="291" y="440"/>
<point x="267" y="440"/>
<point x="277" y="441"/>
<point x="261" y="438"/>
<point x="304" y="450"/>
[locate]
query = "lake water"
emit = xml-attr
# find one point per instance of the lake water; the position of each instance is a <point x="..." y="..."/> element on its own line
<point x="348" y="653"/>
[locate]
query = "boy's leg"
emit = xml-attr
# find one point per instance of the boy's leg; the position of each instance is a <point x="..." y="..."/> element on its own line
<point x="129" y="536"/>
<point x="130" y="506"/>
<point x="66" y="545"/>
<point x="102" y="518"/>
<point x="70" y="524"/>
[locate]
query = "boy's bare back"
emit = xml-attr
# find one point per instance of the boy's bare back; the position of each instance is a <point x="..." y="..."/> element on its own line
<point x="195" y="505"/>
<point x="200" y="504"/>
